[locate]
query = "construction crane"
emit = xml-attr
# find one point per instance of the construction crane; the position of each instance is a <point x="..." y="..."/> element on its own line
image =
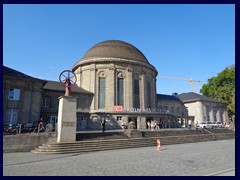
<point x="184" y="79"/>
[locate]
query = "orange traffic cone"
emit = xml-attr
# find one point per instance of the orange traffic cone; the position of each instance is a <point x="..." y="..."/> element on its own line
<point x="158" y="144"/>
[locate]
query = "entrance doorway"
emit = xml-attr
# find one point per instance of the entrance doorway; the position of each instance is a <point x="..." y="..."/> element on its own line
<point x="134" y="119"/>
<point x="53" y="121"/>
<point x="148" y="122"/>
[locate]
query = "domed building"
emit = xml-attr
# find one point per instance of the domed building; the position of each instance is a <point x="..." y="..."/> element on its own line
<point x="115" y="82"/>
<point x="121" y="79"/>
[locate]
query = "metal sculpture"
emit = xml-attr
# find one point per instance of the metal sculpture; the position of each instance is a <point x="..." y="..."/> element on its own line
<point x="67" y="78"/>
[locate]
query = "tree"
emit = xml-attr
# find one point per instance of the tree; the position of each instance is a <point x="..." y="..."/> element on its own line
<point x="222" y="88"/>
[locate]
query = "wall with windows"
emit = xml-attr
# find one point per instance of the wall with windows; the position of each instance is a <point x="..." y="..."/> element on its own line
<point x="21" y="99"/>
<point x="207" y="111"/>
<point x="116" y="83"/>
<point x="175" y="108"/>
<point x="50" y="104"/>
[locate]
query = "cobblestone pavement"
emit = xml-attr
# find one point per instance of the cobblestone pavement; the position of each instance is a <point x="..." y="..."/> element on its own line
<point x="192" y="159"/>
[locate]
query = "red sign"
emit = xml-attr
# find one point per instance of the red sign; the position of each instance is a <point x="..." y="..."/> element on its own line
<point x="118" y="108"/>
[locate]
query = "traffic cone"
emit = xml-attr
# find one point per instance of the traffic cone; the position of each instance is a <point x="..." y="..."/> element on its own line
<point x="158" y="145"/>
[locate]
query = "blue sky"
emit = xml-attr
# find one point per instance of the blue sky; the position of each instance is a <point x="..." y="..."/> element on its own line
<point x="185" y="41"/>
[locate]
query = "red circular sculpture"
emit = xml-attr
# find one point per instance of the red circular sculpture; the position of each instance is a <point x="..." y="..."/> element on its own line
<point x="67" y="78"/>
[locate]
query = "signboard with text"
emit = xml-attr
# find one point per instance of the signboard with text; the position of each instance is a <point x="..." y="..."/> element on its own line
<point x="118" y="109"/>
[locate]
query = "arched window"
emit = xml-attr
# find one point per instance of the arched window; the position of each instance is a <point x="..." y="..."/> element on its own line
<point x="136" y="94"/>
<point x="148" y="95"/>
<point x="101" y="90"/>
<point x="120" y="89"/>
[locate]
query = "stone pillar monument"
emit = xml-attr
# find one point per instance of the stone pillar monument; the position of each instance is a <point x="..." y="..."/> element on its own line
<point x="67" y="116"/>
<point x="67" y="119"/>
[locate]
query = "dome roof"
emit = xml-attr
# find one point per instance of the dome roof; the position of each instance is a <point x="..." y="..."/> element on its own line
<point x="115" y="49"/>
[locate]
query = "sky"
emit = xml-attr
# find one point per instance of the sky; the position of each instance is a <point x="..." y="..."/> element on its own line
<point x="181" y="40"/>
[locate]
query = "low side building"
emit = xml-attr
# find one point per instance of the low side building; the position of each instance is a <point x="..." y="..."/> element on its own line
<point x="52" y="90"/>
<point x="22" y="97"/>
<point x="204" y="108"/>
<point x="177" y="114"/>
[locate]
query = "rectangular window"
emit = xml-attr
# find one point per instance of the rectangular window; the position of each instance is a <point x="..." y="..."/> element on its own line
<point x="46" y="102"/>
<point x="172" y="109"/>
<point x="102" y="89"/>
<point x="148" y="95"/>
<point x="11" y="116"/>
<point x="136" y="94"/>
<point x="178" y="110"/>
<point x="215" y="118"/>
<point x="120" y="87"/>
<point x="208" y="118"/>
<point x="14" y="94"/>
<point x="119" y="118"/>
<point x="207" y="109"/>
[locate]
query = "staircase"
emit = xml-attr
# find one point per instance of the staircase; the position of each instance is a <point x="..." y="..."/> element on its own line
<point x="89" y="142"/>
<point x="101" y="136"/>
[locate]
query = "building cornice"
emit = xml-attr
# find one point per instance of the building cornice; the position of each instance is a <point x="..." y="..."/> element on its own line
<point x="88" y="61"/>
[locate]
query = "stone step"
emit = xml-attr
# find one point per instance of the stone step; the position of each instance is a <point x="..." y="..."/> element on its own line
<point x="96" y="147"/>
<point x="85" y="150"/>
<point x="99" y="147"/>
<point x="174" y="133"/>
<point x="98" y="136"/>
<point x="102" y="146"/>
<point x="92" y="142"/>
<point x="111" y="144"/>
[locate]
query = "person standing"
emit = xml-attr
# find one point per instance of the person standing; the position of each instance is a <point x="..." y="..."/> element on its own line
<point x="189" y="124"/>
<point x="157" y="124"/>
<point x="152" y="125"/>
<point x="123" y="125"/>
<point x="179" y="123"/>
<point x="103" y="123"/>
<point x="148" y="125"/>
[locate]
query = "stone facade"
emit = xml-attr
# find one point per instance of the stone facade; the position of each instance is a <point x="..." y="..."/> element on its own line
<point x="208" y="111"/>
<point x="177" y="113"/>
<point x="22" y="98"/>
<point x="89" y="80"/>
<point x="116" y="82"/>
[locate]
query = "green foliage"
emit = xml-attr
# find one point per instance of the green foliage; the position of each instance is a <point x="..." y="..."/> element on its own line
<point x="222" y="88"/>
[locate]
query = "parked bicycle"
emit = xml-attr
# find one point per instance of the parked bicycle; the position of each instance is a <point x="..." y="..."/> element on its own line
<point x="11" y="129"/>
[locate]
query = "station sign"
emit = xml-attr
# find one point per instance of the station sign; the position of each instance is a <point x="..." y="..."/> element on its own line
<point x="118" y="108"/>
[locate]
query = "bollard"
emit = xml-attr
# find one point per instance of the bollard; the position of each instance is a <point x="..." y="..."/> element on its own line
<point x="158" y="145"/>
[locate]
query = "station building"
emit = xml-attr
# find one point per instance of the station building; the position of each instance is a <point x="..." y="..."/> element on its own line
<point x="115" y="81"/>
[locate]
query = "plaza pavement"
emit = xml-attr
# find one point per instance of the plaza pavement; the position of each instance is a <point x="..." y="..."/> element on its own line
<point x="213" y="158"/>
